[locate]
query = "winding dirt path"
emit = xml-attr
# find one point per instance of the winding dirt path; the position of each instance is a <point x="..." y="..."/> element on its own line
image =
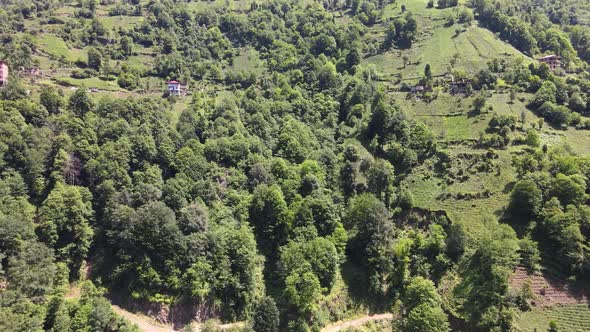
<point x="339" y="326"/>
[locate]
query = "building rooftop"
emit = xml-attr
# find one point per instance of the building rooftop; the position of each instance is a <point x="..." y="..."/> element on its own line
<point x="547" y="57"/>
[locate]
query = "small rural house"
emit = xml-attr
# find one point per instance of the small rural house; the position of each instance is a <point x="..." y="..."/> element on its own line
<point x="552" y="61"/>
<point x="3" y="73"/>
<point x="176" y="88"/>
<point x="418" y="89"/>
<point x="461" y="86"/>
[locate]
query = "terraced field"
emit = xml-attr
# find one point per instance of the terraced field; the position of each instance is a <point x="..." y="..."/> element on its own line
<point x="554" y="300"/>
<point x="548" y="291"/>
<point x="569" y="318"/>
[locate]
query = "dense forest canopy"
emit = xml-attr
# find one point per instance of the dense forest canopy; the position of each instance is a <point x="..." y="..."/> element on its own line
<point x="283" y="190"/>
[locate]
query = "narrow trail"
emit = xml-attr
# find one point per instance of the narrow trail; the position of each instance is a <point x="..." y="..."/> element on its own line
<point x="339" y="326"/>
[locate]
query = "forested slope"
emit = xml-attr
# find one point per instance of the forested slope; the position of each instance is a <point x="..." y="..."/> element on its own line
<point x="322" y="166"/>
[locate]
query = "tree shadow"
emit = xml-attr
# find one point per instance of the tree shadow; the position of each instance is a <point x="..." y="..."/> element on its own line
<point x="357" y="281"/>
<point x="508" y="187"/>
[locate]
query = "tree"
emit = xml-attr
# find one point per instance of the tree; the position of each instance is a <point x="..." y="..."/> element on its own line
<point x="32" y="271"/>
<point x="80" y="103"/>
<point x="568" y="189"/>
<point x="428" y="73"/>
<point x="390" y="37"/>
<point x="51" y="99"/>
<point x="479" y="103"/>
<point x="372" y="234"/>
<point x="547" y="93"/>
<point x="64" y="224"/>
<point x="420" y="291"/>
<point x="532" y="138"/>
<point x="530" y="257"/>
<point x="485" y="278"/>
<point x="422" y="308"/>
<point x="426" y="318"/>
<point x="525" y="199"/>
<point x="318" y="256"/>
<point x="353" y="57"/>
<point x="302" y="290"/>
<point x="127" y="46"/>
<point x="94" y="59"/>
<point x="266" y="316"/>
<point x="512" y="95"/>
<point x="269" y="217"/>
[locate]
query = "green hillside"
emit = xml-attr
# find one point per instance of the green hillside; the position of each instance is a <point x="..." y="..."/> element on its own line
<point x="322" y="163"/>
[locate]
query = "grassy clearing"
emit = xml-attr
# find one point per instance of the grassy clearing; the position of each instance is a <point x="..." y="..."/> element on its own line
<point x="140" y="63"/>
<point x="65" y="11"/>
<point x="572" y="318"/>
<point x="58" y="48"/>
<point x="177" y="110"/>
<point x="234" y="5"/>
<point x="249" y="60"/>
<point x="92" y="82"/>
<point x="125" y="22"/>
<point x="448" y="116"/>
<point x="470" y="50"/>
<point x="434" y="192"/>
<point x="438" y="44"/>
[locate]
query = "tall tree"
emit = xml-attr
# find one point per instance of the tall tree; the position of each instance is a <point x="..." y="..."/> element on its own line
<point x="64" y="224"/>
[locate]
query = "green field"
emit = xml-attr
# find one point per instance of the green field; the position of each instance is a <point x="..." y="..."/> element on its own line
<point x="56" y="47"/>
<point x="569" y="318"/>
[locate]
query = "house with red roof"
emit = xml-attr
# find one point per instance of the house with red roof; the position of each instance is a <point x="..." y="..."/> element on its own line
<point x="176" y="88"/>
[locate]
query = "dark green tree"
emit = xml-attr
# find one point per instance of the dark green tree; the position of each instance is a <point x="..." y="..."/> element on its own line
<point x="64" y="224"/>
<point x="266" y="316"/>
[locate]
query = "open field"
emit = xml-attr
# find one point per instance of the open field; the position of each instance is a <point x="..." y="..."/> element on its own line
<point x="465" y="48"/>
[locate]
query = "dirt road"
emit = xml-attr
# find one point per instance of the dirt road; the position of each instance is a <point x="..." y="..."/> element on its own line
<point x="148" y="324"/>
<point x="338" y="326"/>
<point x="145" y="324"/>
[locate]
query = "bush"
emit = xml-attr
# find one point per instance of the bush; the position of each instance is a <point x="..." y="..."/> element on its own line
<point x="83" y="73"/>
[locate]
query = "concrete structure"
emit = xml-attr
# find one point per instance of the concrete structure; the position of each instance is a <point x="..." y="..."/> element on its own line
<point x="176" y="88"/>
<point x="3" y="73"/>
<point x="552" y="61"/>
<point x="31" y="72"/>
